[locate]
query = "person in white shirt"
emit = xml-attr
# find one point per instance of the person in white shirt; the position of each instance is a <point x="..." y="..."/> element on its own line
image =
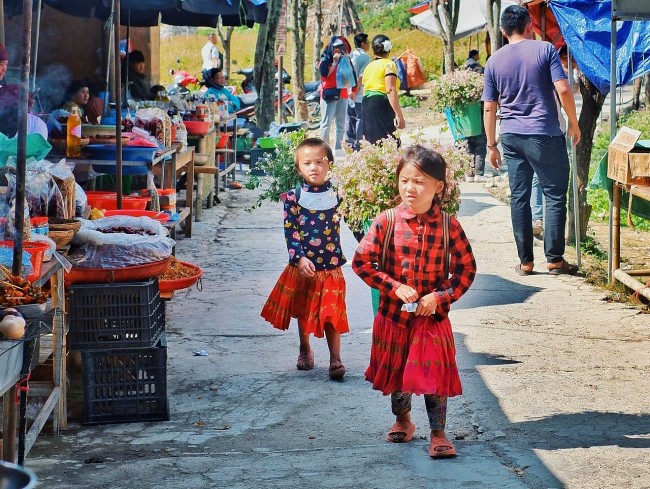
<point x="210" y="55"/>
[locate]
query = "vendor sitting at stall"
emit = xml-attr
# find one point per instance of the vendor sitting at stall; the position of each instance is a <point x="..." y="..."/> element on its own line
<point x="9" y="103"/>
<point x="139" y="83"/>
<point x="216" y="87"/>
<point x="82" y="94"/>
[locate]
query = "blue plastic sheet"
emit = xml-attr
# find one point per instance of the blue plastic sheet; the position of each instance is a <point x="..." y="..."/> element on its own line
<point x="586" y="28"/>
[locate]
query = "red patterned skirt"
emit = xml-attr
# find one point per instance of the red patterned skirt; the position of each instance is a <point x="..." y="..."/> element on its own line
<point x="419" y="359"/>
<point x="314" y="301"/>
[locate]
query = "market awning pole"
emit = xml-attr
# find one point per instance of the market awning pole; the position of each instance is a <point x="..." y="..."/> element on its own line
<point x="2" y="22"/>
<point x="109" y="53"/>
<point x="36" y="43"/>
<point x="21" y="155"/>
<point x="126" y="59"/>
<point x="118" y="103"/>
<point x="574" y="172"/>
<point x="612" y="134"/>
<point x="21" y="161"/>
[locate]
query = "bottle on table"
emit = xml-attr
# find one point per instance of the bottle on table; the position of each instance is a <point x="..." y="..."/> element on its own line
<point x="73" y="146"/>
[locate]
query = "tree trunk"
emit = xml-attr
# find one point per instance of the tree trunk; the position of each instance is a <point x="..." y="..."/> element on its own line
<point x="592" y="104"/>
<point x="299" y="35"/>
<point x="318" y="43"/>
<point x="264" y="74"/>
<point x="225" y="42"/>
<point x="446" y="24"/>
<point x="355" y="18"/>
<point x="493" y="20"/>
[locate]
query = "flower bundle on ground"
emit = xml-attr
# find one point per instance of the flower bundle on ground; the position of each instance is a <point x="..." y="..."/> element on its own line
<point x="367" y="182"/>
<point x="456" y="89"/>
<point x="280" y="170"/>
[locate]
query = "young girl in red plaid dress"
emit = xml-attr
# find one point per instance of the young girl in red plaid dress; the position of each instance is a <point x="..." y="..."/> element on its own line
<point x="311" y="287"/>
<point x="414" y="352"/>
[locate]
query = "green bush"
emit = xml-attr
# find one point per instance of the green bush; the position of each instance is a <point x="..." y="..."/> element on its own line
<point x="598" y="198"/>
<point x="394" y="17"/>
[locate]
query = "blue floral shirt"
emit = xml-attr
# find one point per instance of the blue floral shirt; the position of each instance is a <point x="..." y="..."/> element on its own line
<point x="312" y="226"/>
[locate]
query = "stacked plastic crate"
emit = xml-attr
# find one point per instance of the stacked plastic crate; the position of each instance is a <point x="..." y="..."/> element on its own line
<point x="120" y="330"/>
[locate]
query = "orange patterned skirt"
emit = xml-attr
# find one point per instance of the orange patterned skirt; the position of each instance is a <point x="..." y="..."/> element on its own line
<point x="314" y="301"/>
<point x="418" y="359"/>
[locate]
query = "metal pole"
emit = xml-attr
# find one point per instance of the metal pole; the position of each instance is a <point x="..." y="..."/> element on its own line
<point x="21" y="156"/>
<point x="21" y="162"/>
<point x="574" y="173"/>
<point x="2" y="22"/>
<point x="108" y="53"/>
<point x="280" y="87"/>
<point x="612" y="134"/>
<point x="118" y="103"/>
<point x="36" y="44"/>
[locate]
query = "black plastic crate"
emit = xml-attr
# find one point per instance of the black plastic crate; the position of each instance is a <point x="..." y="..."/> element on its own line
<point x="125" y="385"/>
<point x="120" y="315"/>
<point x="256" y="155"/>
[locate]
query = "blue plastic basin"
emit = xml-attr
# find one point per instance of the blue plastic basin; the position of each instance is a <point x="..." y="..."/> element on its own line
<point x="129" y="153"/>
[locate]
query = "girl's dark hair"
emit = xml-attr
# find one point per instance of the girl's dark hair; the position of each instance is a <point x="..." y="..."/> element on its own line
<point x="514" y="19"/>
<point x="314" y="143"/>
<point x="429" y="162"/>
<point x="75" y="86"/>
<point x="378" y="45"/>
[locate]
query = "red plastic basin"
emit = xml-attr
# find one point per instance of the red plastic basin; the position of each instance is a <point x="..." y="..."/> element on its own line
<point x="108" y="201"/>
<point x="198" y="128"/>
<point x="158" y="216"/>
<point x="36" y="250"/>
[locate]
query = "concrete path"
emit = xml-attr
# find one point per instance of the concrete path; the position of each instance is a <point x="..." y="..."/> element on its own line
<point x="556" y="382"/>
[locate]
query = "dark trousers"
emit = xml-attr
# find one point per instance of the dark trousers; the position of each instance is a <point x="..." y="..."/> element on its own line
<point x="436" y="408"/>
<point x="547" y="157"/>
<point x="354" y="125"/>
<point x="477" y="147"/>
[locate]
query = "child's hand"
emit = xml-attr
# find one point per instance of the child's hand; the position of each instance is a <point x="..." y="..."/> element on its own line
<point x="427" y="305"/>
<point x="306" y="267"/>
<point x="406" y="294"/>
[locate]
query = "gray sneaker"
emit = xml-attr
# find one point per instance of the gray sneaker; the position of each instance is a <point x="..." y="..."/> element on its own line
<point x="538" y="227"/>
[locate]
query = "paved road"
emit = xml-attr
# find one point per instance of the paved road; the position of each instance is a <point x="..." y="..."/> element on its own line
<point x="556" y="383"/>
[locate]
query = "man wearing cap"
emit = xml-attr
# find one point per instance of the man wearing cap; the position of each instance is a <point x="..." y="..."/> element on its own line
<point x="4" y="64"/>
<point x="210" y="55"/>
<point x="334" y="101"/>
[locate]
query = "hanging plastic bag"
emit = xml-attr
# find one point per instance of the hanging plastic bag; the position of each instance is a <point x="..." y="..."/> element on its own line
<point x="401" y="74"/>
<point x="152" y="193"/>
<point x="414" y="70"/>
<point x="345" y="74"/>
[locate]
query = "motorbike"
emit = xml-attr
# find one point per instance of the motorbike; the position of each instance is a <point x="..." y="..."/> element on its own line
<point x="181" y="81"/>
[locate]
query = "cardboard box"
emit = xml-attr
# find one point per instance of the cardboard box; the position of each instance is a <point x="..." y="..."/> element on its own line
<point x="626" y="163"/>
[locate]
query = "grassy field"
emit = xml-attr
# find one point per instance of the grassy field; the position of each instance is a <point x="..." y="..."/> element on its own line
<point x="187" y="49"/>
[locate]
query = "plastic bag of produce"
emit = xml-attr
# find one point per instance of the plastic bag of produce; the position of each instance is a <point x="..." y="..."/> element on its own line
<point x="118" y="242"/>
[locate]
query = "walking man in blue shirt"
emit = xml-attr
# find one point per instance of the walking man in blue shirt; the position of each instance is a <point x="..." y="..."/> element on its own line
<point x="522" y="78"/>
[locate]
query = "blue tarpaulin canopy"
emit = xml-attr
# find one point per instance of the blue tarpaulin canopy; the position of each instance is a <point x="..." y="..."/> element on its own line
<point x="586" y="28"/>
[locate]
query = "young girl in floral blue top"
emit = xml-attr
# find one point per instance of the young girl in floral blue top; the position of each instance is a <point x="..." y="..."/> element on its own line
<point x="311" y="287"/>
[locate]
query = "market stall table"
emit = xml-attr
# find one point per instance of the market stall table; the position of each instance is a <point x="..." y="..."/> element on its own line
<point x="204" y="164"/>
<point x="54" y="387"/>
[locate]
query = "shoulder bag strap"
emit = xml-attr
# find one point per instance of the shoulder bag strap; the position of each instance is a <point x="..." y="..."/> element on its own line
<point x="445" y="237"/>
<point x="388" y="237"/>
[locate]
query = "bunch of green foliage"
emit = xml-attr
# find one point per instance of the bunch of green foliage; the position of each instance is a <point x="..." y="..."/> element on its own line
<point x="279" y="168"/>
<point x="408" y="101"/>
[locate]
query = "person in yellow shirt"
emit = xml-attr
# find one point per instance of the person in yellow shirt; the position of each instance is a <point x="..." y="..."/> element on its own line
<point x="381" y="107"/>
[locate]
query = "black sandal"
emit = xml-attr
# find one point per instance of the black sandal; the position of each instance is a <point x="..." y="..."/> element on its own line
<point x="566" y="269"/>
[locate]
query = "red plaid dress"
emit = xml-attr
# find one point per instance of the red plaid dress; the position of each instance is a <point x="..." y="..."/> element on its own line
<point x="411" y="353"/>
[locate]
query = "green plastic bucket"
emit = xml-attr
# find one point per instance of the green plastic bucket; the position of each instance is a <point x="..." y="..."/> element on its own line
<point x="467" y="120"/>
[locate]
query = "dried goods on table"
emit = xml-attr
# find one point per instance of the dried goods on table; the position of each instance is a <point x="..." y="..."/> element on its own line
<point x="15" y="290"/>
<point x="98" y="245"/>
<point x="178" y="270"/>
